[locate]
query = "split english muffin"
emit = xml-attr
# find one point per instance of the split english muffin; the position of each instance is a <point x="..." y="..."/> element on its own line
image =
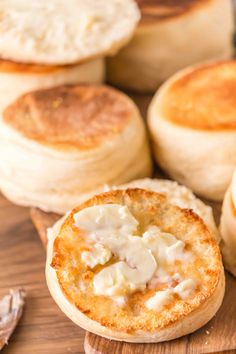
<point x="170" y="36"/>
<point x="128" y="265"/>
<point x="60" y="32"/>
<point x="60" y="145"/>
<point x="228" y="228"/>
<point x="40" y="39"/>
<point x="18" y="78"/>
<point x="193" y="127"/>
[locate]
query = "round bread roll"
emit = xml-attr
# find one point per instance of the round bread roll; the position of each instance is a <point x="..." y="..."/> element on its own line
<point x="63" y="32"/>
<point x="18" y="78"/>
<point x="59" y="145"/>
<point x="172" y="35"/>
<point x="228" y="228"/>
<point x="128" y="265"/>
<point x="178" y="195"/>
<point x="192" y="120"/>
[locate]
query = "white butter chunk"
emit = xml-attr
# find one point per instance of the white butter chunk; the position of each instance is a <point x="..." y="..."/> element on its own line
<point x="98" y="255"/>
<point x="159" y="300"/>
<point x="185" y="288"/>
<point x="165" y="247"/>
<point x="105" y="219"/>
<point x="175" y="251"/>
<point x="136" y="267"/>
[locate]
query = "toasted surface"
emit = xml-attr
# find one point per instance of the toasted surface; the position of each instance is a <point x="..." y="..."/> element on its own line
<point x="178" y="195"/>
<point x="9" y="66"/>
<point x="159" y="10"/>
<point x="81" y="116"/>
<point x="149" y="208"/>
<point x="56" y="32"/>
<point x="203" y="98"/>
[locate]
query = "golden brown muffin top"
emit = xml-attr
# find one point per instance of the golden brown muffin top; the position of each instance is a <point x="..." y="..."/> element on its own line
<point x="79" y="116"/>
<point x="203" y="98"/>
<point x="149" y="208"/>
<point x="158" y="10"/>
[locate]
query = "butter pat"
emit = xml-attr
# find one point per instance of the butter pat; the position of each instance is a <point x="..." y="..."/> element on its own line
<point x="165" y="247"/>
<point x="102" y="220"/>
<point x="165" y="297"/>
<point x="185" y="288"/>
<point x="98" y="255"/>
<point x="175" y="251"/>
<point x="160" y="299"/>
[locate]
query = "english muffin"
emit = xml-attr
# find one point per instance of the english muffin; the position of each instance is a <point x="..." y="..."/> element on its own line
<point x="60" y="32"/>
<point x="228" y="228"/>
<point x="59" y="145"/>
<point x="130" y="266"/>
<point x="170" y="36"/>
<point x="192" y="120"/>
<point x="18" y="78"/>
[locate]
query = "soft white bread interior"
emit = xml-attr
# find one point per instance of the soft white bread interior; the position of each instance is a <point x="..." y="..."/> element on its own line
<point x="124" y="308"/>
<point x="171" y="36"/>
<point x="228" y="228"/>
<point x="17" y="78"/>
<point x="193" y="127"/>
<point x="60" y="32"/>
<point x="59" y="145"/>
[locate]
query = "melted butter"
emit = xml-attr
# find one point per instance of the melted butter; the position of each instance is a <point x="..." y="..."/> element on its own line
<point x="98" y="255"/>
<point x="164" y="297"/>
<point x="159" y="300"/>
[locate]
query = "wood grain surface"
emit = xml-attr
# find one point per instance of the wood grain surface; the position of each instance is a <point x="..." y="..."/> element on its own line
<point x="43" y="329"/>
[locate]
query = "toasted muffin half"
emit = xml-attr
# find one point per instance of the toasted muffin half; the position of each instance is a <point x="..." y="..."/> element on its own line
<point x="193" y="127"/>
<point x="130" y="266"/>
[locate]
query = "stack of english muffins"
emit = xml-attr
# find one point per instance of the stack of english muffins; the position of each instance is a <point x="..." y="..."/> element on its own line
<point x="134" y="258"/>
<point x="46" y="44"/>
